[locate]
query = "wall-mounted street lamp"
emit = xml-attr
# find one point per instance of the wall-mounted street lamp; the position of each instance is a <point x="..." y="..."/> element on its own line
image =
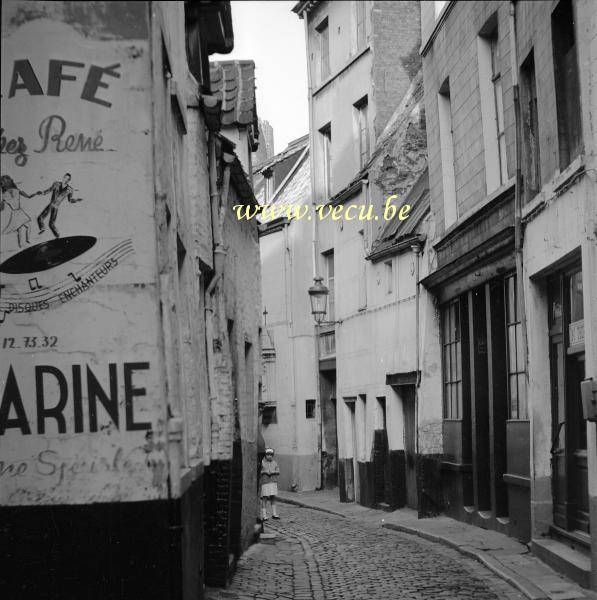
<point x="318" y="294"/>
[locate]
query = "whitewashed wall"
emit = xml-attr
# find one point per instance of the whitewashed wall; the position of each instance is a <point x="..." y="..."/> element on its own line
<point x="79" y="314"/>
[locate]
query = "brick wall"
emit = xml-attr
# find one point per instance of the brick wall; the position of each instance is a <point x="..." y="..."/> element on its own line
<point x="395" y="40"/>
<point x="217" y="522"/>
<point x="453" y="54"/>
<point x="230" y="484"/>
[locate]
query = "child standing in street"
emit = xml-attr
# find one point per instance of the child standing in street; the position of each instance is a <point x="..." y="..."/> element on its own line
<point x="269" y="484"/>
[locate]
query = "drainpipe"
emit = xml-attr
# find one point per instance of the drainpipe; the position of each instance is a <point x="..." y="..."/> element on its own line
<point x="518" y="234"/>
<point x="416" y="248"/>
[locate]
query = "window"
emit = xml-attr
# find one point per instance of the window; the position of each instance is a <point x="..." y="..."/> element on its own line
<point x="381" y="415"/>
<point x="496" y="78"/>
<point x="530" y="129"/>
<point x="326" y="149"/>
<point x="362" y="126"/>
<point x="269" y="185"/>
<point x="310" y="409"/>
<point x="492" y="105"/>
<point x="361" y="26"/>
<point x="447" y="153"/>
<point x="566" y="83"/>
<point x="327" y="344"/>
<point x="389" y="272"/>
<point x="452" y="361"/>
<point x="324" y="49"/>
<point x="363" y="272"/>
<point x="516" y="359"/>
<point x="328" y="258"/>
<point x="269" y="416"/>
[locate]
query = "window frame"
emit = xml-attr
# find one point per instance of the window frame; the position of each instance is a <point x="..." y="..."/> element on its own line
<point x="452" y="348"/>
<point x="362" y="130"/>
<point x="515" y="365"/>
<point x="323" y="29"/>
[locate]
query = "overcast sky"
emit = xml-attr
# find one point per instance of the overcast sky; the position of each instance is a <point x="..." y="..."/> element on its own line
<point x="273" y="36"/>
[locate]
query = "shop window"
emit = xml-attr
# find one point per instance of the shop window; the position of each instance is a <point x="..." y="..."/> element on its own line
<point x="516" y="360"/>
<point x="452" y="359"/>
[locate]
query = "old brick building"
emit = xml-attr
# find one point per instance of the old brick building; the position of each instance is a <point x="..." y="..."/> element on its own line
<point x="233" y="301"/>
<point x="509" y="96"/>
<point x="135" y="393"/>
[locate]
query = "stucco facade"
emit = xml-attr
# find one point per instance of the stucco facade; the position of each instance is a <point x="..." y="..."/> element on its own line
<point x="368" y="143"/>
<point x="112" y="426"/>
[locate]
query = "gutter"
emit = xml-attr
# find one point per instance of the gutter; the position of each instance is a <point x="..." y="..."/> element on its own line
<point x="403" y="244"/>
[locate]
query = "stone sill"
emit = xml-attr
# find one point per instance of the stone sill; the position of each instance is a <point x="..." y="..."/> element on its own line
<point x="554" y="188"/>
<point x="460" y="222"/>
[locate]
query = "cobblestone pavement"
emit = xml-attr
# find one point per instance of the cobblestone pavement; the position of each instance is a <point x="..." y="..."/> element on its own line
<point x="319" y="556"/>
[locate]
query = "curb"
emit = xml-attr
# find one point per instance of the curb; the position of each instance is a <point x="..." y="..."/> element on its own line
<point x="531" y="591"/>
<point x="522" y="584"/>
<point x="303" y="505"/>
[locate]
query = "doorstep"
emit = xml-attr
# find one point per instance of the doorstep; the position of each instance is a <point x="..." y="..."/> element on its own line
<point x="506" y="557"/>
<point x="563" y="558"/>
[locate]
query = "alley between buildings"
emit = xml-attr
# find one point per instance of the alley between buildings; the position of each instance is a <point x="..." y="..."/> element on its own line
<point x="321" y="556"/>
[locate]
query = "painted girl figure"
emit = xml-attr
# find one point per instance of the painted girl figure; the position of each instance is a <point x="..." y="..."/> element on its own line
<point x="13" y="218"/>
<point x="268" y="481"/>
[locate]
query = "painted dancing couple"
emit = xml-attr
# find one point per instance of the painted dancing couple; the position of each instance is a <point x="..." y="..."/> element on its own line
<point x="18" y="219"/>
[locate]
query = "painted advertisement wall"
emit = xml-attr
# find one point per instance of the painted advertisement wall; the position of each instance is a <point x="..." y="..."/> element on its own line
<point x="81" y="417"/>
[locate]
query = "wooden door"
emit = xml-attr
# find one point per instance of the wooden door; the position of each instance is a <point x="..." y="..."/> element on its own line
<point x="567" y="370"/>
<point x="410" y="447"/>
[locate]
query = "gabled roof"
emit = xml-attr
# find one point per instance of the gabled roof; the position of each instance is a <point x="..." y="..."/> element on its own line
<point x="293" y="147"/>
<point x="396" y="233"/>
<point x="295" y="190"/>
<point x="233" y="82"/>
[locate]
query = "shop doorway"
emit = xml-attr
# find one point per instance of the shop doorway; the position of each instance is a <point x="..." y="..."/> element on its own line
<point x="567" y="370"/>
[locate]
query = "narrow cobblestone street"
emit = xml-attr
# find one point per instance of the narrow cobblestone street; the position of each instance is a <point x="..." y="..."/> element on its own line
<point x="319" y="556"/>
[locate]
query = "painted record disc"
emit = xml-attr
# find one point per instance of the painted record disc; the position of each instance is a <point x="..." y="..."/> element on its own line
<point x="47" y="255"/>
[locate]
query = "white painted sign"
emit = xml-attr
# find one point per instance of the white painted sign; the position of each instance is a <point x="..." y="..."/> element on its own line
<point x="576" y="332"/>
<point x="81" y="413"/>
